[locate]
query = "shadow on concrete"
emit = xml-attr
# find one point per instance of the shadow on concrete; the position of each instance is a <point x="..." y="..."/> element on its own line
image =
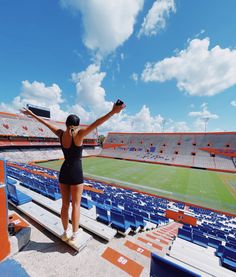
<point x="48" y="247"/>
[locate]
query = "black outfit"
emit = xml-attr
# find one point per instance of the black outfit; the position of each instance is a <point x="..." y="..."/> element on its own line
<point x="71" y="172"/>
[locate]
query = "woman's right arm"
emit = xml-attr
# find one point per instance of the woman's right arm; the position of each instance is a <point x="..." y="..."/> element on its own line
<point x="101" y="120"/>
<point x="54" y="129"/>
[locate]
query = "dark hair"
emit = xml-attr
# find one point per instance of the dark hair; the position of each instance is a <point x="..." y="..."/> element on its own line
<point x="72" y="119"/>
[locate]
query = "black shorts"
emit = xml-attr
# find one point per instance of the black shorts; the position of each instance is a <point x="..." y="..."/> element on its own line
<point x="71" y="173"/>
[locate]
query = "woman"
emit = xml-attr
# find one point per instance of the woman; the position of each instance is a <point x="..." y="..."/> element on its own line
<point x="71" y="173"/>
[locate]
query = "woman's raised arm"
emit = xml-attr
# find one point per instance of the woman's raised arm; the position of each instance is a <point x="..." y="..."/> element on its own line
<point x="101" y="120"/>
<point x="54" y="129"/>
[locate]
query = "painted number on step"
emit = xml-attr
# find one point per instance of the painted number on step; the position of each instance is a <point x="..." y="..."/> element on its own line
<point x="122" y="260"/>
<point x="140" y="250"/>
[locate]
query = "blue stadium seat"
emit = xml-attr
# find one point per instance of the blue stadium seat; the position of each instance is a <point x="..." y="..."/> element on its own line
<point x="86" y="203"/>
<point x="140" y="220"/>
<point x="11" y="181"/>
<point x="228" y="259"/>
<point x="230" y="245"/>
<point x="214" y="242"/>
<point x="155" y="219"/>
<point x="41" y="188"/>
<point x="161" y="267"/>
<point x="52" y="193"/>
<point x="24" y="184"/>
<point x="221" y="235"/>
<point x="220" y="250"/>
<point x="187" y="227"/>
<point x="116" y="210"/>
<point x="108" y="202"/>
<point x="184" y="234"/>
<point x="231" y="240"/>
<point x="134" y="224"/>
<point x="118" y="222"/>
<point x="200" y="240"/>
<point x="145" y="215"/>
<point x="16" y="196"/>
<point x="197" y="232"/>
<point x="102" y="215"/>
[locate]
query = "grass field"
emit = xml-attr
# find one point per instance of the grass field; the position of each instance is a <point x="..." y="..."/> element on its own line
<point x="206" y="188"/>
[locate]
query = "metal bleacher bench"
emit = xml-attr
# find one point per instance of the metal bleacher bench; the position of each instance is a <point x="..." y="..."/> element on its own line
<point x="101" y="230"/>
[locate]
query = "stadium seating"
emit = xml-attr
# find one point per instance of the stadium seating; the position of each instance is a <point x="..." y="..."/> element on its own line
<point x="200" y="240"/>
<point x="17" y="197"/>
<point x="134" y="224"/>
<point x="118" y="222"/>
<point x="213" y="242"/>
<point x="228" y="258"/>
<point x="47" y="187"/>
<point x="18" y="125"/>
<point x="184" y="234"/>
<point x="86" y="203"/>
<point x="178" y="149"/>
<point x="102" y="215"/>
<point x="126" y="210"/>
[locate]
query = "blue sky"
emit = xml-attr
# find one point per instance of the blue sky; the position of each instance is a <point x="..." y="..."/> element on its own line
<point x="172" y="62"/>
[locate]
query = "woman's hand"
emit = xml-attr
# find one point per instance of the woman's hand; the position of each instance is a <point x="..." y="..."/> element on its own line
<point x="118" y="108"/>
<point x="26" y="111"/>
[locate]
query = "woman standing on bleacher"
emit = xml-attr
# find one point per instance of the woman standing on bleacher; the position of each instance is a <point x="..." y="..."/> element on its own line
<point x="71" y="173"/>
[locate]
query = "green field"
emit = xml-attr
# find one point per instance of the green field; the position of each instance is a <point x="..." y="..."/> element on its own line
<point x="206" y="188"/>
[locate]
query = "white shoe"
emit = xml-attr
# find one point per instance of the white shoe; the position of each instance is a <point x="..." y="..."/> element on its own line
<point x="74" y="237"/>
<point x="65" y="237"/>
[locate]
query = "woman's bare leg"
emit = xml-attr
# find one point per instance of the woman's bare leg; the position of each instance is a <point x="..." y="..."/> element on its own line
<point x="65" y="194"/>
<point x="76" y="192"/>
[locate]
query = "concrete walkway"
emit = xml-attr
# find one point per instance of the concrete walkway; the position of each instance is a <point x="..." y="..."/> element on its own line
<point x="47" y="256"/>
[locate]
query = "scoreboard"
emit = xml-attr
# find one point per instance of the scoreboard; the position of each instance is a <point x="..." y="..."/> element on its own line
<point x="44" y="112"/>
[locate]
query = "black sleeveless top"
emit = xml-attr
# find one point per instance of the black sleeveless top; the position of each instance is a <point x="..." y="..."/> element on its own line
<point x="71" y="172"/>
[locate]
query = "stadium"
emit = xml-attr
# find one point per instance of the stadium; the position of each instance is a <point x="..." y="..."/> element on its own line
<point x="154" y="204"/>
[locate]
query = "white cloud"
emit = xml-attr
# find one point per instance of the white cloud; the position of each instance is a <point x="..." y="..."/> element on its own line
<point x="36" y="90"/>
<point x="90" y="93"/>
<point x="37" y="93"/>
<point x="198" y="70"/>
<point x="179" y="127"/>
<point x="233" y="103"/>
<point x="142" y="121"/>
<point x="107" y="24"/>
<point x="204" y="113"/>
<point x="202" y="117"/>
<point x="134" y="77"/>
<point x="156" y="17"/>
<point x="90" y="103"/>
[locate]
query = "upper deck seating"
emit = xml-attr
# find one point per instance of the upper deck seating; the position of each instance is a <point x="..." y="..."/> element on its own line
<point x="173" y="148"/>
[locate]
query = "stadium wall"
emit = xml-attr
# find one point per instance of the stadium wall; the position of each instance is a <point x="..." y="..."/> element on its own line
<point x="178" y="165"/>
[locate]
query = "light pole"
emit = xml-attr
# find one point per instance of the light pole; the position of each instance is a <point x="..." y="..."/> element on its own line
<point x="205" y="120"/>
<point x="163" y="122"/>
